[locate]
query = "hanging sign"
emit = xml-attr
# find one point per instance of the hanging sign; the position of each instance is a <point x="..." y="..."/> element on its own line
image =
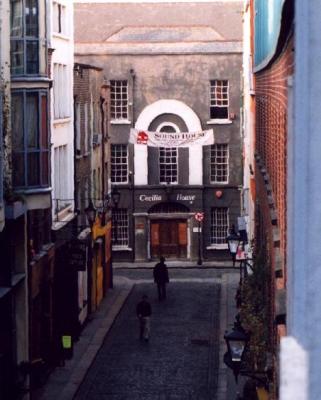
<point x="78" y="255"/>
<point x="199" y="216"/>
<point x="171" y="139"/>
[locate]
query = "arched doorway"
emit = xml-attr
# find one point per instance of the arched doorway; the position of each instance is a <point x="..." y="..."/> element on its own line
<point x="168" y="230"/>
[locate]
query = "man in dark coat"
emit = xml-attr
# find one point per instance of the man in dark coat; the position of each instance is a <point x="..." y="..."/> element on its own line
<point x="161" y="278"/>
<point x="144" y="311"/>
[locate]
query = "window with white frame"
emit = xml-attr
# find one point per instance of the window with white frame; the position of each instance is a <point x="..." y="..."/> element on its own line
<point x="219" y="163"/>
<point x="120" y="227"/>
<point x="168" y="164"/>
<point x="219" y="225"/>
<point x="61" y="99"/>
<point x="77" y="128"/>
<point x="219" y="99"/>
<point x="119" y="99"/>
<point x="86" y="126"/>
<point x="119" y="163"/>
<point x="59" y="18"/>
<point x="60" y="178"/>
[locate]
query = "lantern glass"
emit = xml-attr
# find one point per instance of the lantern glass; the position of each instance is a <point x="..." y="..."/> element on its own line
<point x="91" y="213"/>
<point x="237" y="348"/>
<point x="115" y="195"/>
<point x="233" y="242"/>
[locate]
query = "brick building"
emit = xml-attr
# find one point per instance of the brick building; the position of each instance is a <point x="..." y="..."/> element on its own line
<point x="273" y="68"/>
<point x="177" y="69"/>
<point x="92" y="183"/>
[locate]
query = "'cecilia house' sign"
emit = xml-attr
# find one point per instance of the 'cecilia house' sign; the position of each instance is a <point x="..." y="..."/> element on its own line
<point x="171" y="139"/>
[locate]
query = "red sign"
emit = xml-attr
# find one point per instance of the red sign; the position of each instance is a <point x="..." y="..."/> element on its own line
<point x="142" y="137"/>
<point x="199" y="216"/>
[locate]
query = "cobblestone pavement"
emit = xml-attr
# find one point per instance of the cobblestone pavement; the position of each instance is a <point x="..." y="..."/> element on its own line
<point x="180" y="362"/>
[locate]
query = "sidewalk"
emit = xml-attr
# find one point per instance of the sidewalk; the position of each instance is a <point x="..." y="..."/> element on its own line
<point x="64" y="381"/>
<point x="174" y="264"/>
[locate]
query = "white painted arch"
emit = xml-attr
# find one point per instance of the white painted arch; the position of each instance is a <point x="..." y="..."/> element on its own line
<point x="168" y="106"/>
<point x="193" y="123"/>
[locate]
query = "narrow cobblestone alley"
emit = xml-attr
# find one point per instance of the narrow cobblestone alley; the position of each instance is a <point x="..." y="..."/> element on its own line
<point x="181" y="359"/>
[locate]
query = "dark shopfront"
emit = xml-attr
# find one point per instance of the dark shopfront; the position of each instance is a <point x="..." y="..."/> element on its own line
<point x="162" y="222"/>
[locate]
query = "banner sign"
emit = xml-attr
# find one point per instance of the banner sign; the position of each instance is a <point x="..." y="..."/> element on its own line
<point x="171" y="139"/>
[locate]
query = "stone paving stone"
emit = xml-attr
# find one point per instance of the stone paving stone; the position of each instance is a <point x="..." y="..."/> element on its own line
<point x="181" y="360"/>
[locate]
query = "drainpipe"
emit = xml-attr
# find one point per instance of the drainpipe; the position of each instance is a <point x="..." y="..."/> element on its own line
<point x="132" y="172"/>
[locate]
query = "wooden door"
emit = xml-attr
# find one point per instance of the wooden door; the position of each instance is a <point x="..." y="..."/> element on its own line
<point x="169" y="238"/>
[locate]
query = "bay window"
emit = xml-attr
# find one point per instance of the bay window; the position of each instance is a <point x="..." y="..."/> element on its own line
<point x="30" y="139"/>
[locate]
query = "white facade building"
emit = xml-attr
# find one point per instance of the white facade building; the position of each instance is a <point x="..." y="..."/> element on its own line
<point x="62" y="122"/>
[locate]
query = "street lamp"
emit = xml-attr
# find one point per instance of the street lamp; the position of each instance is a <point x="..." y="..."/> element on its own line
<point x="115" y="197"/>
<point x="233" y="242"/>
<point x="91" y="213"/>
<point x="236" y="342"/>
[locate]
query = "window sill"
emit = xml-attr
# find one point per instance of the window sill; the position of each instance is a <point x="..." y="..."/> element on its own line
<point x="217" y="247"/>
<point x="219" y="122"/>
<point x="219" y="183"/>
<point x="121" y="248"/>
<point x="38" y="190"/>
<point x="63" y="217"/>
<point x="120" y="122"/>
<point x="62" y="36"/>
<point x="60" y="121"/>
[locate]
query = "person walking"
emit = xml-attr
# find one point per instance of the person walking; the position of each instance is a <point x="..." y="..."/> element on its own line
<point x="144" y="311"/>
<point x="161" y="278"/>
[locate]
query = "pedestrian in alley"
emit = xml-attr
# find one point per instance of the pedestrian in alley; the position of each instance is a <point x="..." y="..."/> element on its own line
<point x="144" y="311"/>
<point x="161" y="278"/>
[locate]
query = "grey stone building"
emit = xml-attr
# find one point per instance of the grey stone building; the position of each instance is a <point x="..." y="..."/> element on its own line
<point x="171" y="67"/>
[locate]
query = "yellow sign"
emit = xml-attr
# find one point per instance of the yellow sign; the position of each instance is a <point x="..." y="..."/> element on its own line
<point x="262" y="394"/>
<point x="66" y="342"/>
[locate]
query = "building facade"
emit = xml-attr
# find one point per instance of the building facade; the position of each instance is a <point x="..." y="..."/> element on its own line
<point x="92" y="183"/>
<point x="169" y="75"/>
<point x="25" y="242"/>
<point x="301" y="349"/>
<point x="270" y="26"/>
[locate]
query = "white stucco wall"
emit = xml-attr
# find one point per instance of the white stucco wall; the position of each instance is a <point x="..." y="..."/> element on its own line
<point x="193" y="123"/>
<point x="62" y="130"/>
<point x="248" y="123"/>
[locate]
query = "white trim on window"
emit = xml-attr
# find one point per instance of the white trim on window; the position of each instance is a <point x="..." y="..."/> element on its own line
<point x="219" y="163"/>
<point x="219" y="227"/>
<point x="164" y="124"/>
<point x="119" y="100"/>
<point x="219" y="99"/>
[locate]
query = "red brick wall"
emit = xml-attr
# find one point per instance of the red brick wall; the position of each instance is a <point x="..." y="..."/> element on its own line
<point x="271" y="171"/>
<point x="271" y="129"/>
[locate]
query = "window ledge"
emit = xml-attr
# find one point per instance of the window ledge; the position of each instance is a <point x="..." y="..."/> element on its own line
<point x="62" y="36"/>
<point x="217" y="247"/>
<point x="59" y="121"/>
<point x="63" y="217"/>
<point x="38" y="190"/>
<point x="17" y="278"/>
<point x="219" y="183"/>
<point x="120" y="122"/>
<point x="121" y="248"/>
<point x="219" y="121"/>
